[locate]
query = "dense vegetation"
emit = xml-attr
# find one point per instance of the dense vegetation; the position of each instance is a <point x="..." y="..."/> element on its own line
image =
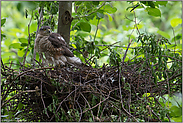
<point x="130" y="40"/>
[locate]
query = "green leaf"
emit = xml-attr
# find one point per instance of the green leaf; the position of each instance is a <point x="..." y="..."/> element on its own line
<point x="2" y="36"/>
<point x="21" y="53"/>
<point x="95" y="2"/>
<point x="3" y="21"/>
<point x="16" y="30"/>
<point x="83" y="33"/>
<point x="15" y="45"/>
<point x="109" y="9"/>
<point x="151" y="4"/>
<point x="94" y="21"/>
<point x="144" y="2"/>
<point x="85" y="26"/>
<point x="109" y="16"/>
<point x="54" y="10"/>
<point x="175" y="111"/>
<point x="78" y="2"/>
<point x="176" y="119"/>
<point x="23" y="44"/>
<point x="153" y="11"/>
<point x="162" y="2"/>
<point x="175" y="22"/>
<point x="20" y="105"/>
<point x="23" y="40"/>
<point x="166" y="35"/>
<point x="19" y="7"/>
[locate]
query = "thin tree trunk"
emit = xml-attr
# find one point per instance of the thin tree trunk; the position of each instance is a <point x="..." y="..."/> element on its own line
<point x="65" y="19"/>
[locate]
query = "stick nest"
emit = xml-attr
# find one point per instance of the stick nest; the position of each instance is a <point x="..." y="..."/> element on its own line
<point x="109" y="93"/>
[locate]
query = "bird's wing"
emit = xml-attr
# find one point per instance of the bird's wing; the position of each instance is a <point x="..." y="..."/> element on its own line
<point x="67" y="52"/>
<point x="59" y="43"/>
<point x="57" y="40"/>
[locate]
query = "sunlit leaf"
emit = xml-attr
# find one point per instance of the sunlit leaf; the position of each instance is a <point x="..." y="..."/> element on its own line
<point x="166" y="35"/>
<point x="175" y="22"/>
<point x="16" y="30"/>
<point x="110" y="9"/>
<point x="109" y="16"/>
<point x="139" y="26"/>
<point x="73" y="45"/>
<point x="176" y="119"/>
<point x="6" y="55"/>
<point x="83" y="33"/>
<point x="15" y="45"/>
<point x="94" y="21"/>
<point x="21" y="53"/>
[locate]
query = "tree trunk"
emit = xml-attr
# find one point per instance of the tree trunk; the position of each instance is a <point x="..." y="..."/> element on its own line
<point x="65" y="19"/>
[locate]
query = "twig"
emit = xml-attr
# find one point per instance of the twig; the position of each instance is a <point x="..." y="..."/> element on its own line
<point x="17" y="95"/>
<point x="119" y="81"/>
<point x="96" y="30"/>
<point x="136" y="23"/>
<point x="88" y="106"/>
<point x="116" y="46"/>
<point x="43" y="100"/>
<point x="98" y="103"/>
<point x="32" y="70"/>
<point x="167" y="79"/>
<point x="126" y="51"/>
<point x="28" y="39"/>
<point x="104" y="49"/>
<point x="174" y="39"/>
<point x="38" y="79"/>
<point x="80" y="110"/>
<point x="156" y="115"/>
<point x="19" y="76"/>
<point x="62" y="102"/>
<point x="38" y="63"/>
<point x="39" y="21"/>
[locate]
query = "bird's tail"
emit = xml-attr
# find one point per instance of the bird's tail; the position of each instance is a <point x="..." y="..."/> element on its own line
<point x="74" y="60"/>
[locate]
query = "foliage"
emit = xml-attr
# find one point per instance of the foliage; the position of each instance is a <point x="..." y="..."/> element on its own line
<point x="100" y="33"/>
<point x="173" y="106"/>
<point x="150" y="6"/>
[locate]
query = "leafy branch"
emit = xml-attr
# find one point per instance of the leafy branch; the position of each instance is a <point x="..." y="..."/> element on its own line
<point x="90" y="12"/>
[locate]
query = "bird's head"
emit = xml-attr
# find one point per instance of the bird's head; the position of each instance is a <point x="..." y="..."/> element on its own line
<point x="44" y="30"/>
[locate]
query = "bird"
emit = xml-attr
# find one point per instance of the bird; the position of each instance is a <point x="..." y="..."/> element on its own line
<point x="54" y="48"/>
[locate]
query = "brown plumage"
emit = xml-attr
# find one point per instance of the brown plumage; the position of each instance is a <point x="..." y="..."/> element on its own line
<point x="54" y="47"/>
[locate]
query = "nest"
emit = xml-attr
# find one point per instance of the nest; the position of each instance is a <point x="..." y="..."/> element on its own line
<point x="109" y="93"/>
